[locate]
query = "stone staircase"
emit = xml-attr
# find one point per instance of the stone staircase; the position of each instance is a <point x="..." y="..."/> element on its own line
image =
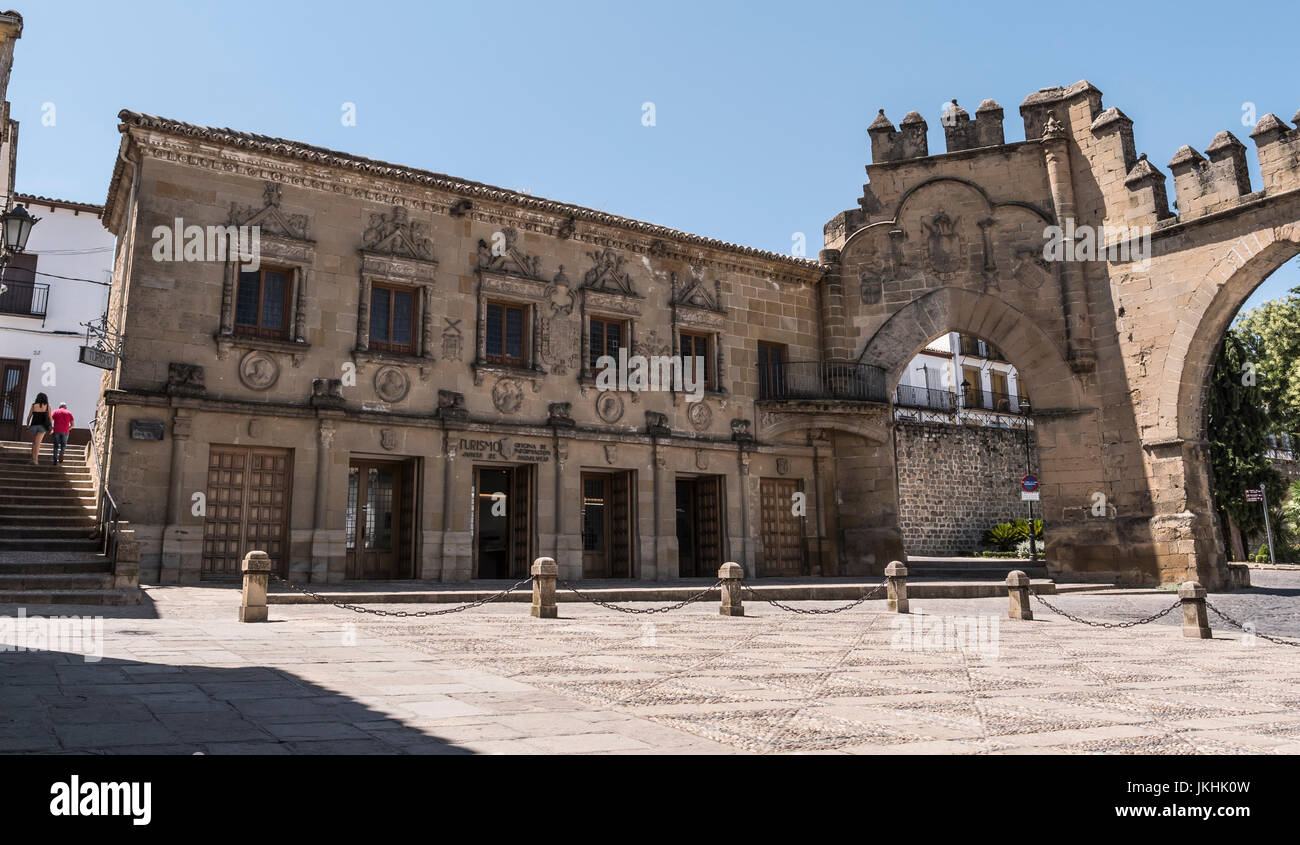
<point x="48" y="551"/>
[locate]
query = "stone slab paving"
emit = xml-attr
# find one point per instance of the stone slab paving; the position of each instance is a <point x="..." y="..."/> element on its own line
<point x="179" y="676"/>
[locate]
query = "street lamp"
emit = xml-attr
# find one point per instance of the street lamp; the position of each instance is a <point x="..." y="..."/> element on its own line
<point x="17" y="227"/>
<point x="1033" y="548"/>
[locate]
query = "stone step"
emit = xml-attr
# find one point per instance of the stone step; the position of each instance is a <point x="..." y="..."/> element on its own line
<point x="71" y="531"/>
<point x="25" y="514"/>
<point x="46" y="497"/>
<point x="42" y="475"/>
<point x="89" y="597"/>
<point x="55" y="581"/>
<point x="54" y="544"/>
<point x="39" y="562"/>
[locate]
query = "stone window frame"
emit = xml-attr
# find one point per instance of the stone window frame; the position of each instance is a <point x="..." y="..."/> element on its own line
<point x="611" y="307"/>
<point x="389" y="270"/>
<point x="495" y="287"/>
<point x="705" y="321"/>
<point x="296" y="256"/>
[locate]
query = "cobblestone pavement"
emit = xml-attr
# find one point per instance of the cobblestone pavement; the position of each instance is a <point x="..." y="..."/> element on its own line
<point x="178" y="676"/>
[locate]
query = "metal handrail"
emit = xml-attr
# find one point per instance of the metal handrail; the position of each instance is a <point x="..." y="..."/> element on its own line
<point x="107" y="518"/>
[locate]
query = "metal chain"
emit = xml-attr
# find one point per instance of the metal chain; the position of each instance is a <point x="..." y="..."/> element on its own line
<point x="813" y="611"/>
<point x="641" y="610"/>
<point x="404" y="613"/>
<point x="1233" y="622"/>
<point x="1153" y="617"/>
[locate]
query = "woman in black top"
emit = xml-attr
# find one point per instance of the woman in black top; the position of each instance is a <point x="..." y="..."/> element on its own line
<point x="39" y="422"/>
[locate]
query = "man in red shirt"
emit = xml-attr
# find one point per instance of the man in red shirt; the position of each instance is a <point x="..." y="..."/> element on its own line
<point x="62" y="419"/>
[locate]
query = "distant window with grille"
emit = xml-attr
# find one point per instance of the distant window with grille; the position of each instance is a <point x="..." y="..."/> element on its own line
<point x="262" y="304"/>
<point x="507" y="334"/>
<point x="607" y="337"/>
<point x="693" y="348"/>
<point x="392" y="318"/>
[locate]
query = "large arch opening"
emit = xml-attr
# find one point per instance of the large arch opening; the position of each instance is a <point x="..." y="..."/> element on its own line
<point x="1186" y="399"/>
<point x="972" y="418"/>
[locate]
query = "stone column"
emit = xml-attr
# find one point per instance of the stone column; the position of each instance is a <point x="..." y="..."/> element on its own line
<point x="363" y="316"/>
<point x="896" y="591"/>
<point x="320" y="540"/>
<point x="1018" y="591"/>
<point x="257" y="575"/>
<point x="544" y="574"/>
<point x="731" y="574"/>
<point x="179" y="541"/>
<point x="1074" y="286"/>
<point x="1195" y="621"/>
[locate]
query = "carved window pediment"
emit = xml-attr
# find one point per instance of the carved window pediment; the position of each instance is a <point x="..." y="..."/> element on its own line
<point x="696" y="294"/>
<point x="505" y="256"/>
<point x="271" y="219"/>
<point x="396" y="234"/>
<point x="607" y="274"/>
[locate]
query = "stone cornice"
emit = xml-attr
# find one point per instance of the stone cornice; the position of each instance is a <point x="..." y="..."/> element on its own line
<point x="304" y="165"/>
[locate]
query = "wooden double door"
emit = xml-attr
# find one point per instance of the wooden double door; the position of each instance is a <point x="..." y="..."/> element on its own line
<point x="784" y="552"/>
<point x="379" y="524"/>
<point x="248" y="499"/>
<point x="700" y="508"/>
<point x="606" y="525"/>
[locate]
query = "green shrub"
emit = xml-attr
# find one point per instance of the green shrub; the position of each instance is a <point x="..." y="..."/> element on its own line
<point x="1003" y="536"/>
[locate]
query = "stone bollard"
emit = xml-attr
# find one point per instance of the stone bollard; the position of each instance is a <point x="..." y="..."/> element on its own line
<point x="1195" y="621"/>
<point x="730" y="574"/>
<point x="545" y="572"/>
<point x="1018" y="590"/>
<point x="896" y="590"/>
<point x="257" y="574"/>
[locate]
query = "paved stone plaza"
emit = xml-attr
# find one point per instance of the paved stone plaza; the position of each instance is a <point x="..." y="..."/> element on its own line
<point x="179" y="676"/>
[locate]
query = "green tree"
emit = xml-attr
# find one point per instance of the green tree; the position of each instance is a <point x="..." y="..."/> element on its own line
<point x="1270" y="335"/>
<point x="1238" y="426"/>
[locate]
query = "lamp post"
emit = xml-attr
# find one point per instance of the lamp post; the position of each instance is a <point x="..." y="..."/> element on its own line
<point x="15" y="227"/>
<point x="1033" y="548"/>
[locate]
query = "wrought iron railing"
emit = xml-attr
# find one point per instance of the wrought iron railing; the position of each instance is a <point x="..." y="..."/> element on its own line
<point x="935" y="399"/>
<point x="106" y="517"/>
<point x="925" y="397"/>
<point x="840" y="380"/>
<point x="26" y="299"/>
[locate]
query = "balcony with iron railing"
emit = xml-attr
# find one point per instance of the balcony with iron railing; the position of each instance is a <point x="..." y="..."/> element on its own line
<point x="822" y="380"/>
<point x="24" y="299"/>
<point x="948" y="401"/>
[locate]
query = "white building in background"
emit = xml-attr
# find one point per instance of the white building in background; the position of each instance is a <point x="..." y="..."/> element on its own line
<point x="50" y="291"/>
<point x="962" y="375"/>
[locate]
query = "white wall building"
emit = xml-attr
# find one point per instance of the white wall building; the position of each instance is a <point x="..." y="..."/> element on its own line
<point x="960" y="374"/>
<point x="59" y="283"/>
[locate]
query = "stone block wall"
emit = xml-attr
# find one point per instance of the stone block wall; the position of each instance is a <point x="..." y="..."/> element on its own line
<point x="956" y="481"/>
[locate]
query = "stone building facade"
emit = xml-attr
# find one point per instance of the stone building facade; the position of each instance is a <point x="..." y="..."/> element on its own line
<point x="404" y="386"/>
<point x="407" y="388"/>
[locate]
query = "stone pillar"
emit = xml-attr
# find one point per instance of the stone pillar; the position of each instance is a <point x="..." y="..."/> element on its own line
<point x="257" y="574"/>
<point x="1195" y="622"/>
<point x="320" y="544"/>
<point x="836" y="340"/>
<point x="896" y="591"/>
<point x="544" y="574"/>
<point x="731" y="574"/>
<point x="363" y="316"/>
<point x="1018" y="591"/>
<point x="1074" y="291"/>
<point x="180" y="543"/>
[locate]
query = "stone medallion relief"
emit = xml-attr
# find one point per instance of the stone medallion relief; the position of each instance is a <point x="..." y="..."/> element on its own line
<point x="258" y="371"/>
<point x="609" y="407"/>
<point x="507" y="395"/>
<point x="391" y="384"/>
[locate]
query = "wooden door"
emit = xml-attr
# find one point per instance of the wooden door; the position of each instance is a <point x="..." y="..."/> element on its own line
<point x="620" y="525"/>
<point x="13" y="408"/>
<point x="596" y="540"/>
<point x="374" y="520"/>
<point x="708" y="522"/>
<point x="782" y="531"/>
<point x="521" y="522"/>
<point x="248" y="501"/>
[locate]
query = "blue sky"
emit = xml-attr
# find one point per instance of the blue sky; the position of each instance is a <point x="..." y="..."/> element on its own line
<point x="761" y="108"/>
